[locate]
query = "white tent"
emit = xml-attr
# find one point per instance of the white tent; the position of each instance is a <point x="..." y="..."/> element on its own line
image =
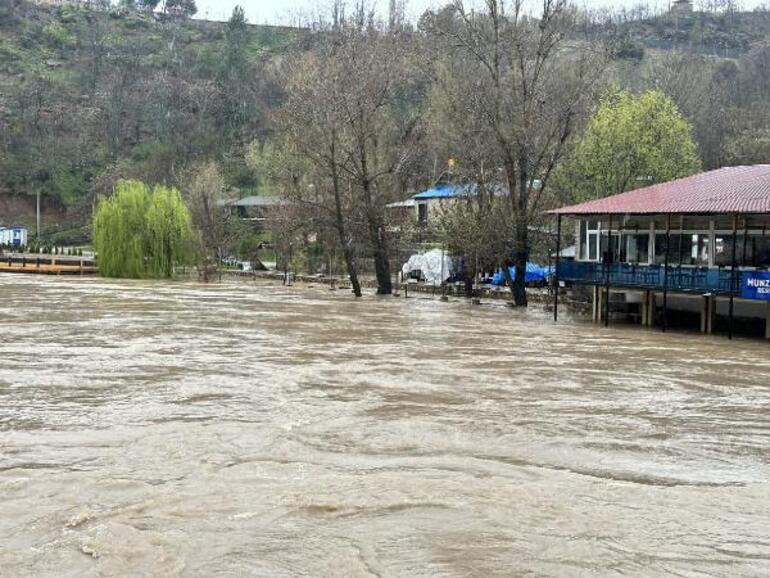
<point x="433" y="265"/>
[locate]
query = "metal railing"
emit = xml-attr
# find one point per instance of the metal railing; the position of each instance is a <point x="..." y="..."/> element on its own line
<point x="683" y="279"/>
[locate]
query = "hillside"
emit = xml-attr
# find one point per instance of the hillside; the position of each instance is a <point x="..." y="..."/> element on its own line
<point x="88" y="96"/>
<point x="725" y="34"/>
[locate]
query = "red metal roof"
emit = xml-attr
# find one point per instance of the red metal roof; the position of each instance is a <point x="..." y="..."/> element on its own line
<point x="741" y="190"/>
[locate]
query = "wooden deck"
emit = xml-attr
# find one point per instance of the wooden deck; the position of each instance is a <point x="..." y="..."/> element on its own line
<point x="47" y="269"/>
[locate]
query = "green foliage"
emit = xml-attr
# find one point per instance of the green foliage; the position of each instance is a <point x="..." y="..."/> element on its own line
<point x="169" y="232"/>
<point x="181" y="8"/>
<point x="10" y="57"/>
<point x="68" y="235"/>
<point x="630" y="142"/>
<point x="68" y="187"/>
<point x="148" y="5"/>
<point x="57" y="36"/>
<point x="69" y="14"/>
<point x="141" y="232"/>
<point x="749" y="148"/>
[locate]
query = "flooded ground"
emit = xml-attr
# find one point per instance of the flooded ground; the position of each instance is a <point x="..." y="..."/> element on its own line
<point x="252" y="430"/>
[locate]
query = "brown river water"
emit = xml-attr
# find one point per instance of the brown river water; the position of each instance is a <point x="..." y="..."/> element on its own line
<point x="178" y="429"/>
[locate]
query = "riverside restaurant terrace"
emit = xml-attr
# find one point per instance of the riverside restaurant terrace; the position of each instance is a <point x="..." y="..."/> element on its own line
<point x="698" y="245"/>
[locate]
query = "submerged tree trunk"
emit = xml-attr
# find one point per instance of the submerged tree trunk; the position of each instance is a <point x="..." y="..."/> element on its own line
<point x="376" y="230"/>
<point x="505" y="265"/>
<point x="521" y="238"/>
<point x="381" y="262"/>
<point x="350" y="263"/>
<point x="468" y="281"/>
<point x="518" y="183"/>
<point x="520" y="258"/>
<point x="344" y="237"/>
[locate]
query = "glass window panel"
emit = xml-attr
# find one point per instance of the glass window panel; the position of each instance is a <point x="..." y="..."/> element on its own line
<point x="593" y="247"/>
<point x="621" y="249"/>
<point x="721" y="250"/>
<point x="723" y="253"/>
<point x="699" y="249"/>
<point x="745" y="249"/>
<point x="676" y="247"/>
<point x="761" y="253"/>
<point x="660" y="249"/>
<point x="638" y="248"/>
<point x="610" y="251"/>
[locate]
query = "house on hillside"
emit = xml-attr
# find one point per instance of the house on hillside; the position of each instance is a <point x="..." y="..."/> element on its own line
<point x="256" y="208"/>
<point x="427" y="205"/>
<point x="697" y="247"/>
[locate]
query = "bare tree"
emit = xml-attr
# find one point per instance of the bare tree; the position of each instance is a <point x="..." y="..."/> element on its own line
<point x="377" y="127"/>
<point x="349" y="122"/>
<point x="206" y="195"/>
<point x="309" y="162"/>
<point x="511" y="87"/>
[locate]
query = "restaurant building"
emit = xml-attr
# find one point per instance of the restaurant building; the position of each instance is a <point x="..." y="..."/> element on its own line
<point x="697" y="246"/>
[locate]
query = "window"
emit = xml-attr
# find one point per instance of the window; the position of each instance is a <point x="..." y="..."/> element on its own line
<point x="589" y="240"/>
<point x="661" y="249"/>
<point x="612" y="252"/>
<point x="693" y="248"/>
<point x="761" y="252"/>
<point x="699" y="249"/>
<point x="638" y="248"/>
<point x="754" y="252"/>
<point x="723" y="252"/>
<point x="422" y="213"/>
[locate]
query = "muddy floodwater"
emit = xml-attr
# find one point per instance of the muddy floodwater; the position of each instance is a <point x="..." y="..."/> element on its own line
<point x="242" y="429"/>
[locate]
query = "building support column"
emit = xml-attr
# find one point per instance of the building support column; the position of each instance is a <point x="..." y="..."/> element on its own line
<point x="556" y="270"/>
<point x="651" y="310"/>
<point x="648" y="308"/>
<point x="665" y="274"/>
<point x="708" y="308"/>
<point x="767" y="321"/>
<point x="608" y="259"/>
<point x="596" y="301"/>
<point x="732" y="277"/>
<point x="681" y="252"/>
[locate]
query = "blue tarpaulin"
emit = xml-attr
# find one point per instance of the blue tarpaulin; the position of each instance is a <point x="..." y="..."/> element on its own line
<point x="444" y="191"/>
<point x="535" y="274"/>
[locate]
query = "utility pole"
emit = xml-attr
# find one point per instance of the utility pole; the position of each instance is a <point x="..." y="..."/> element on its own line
<point x="37" y="213"/>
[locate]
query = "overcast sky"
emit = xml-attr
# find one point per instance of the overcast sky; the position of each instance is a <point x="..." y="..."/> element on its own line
<point x="287" y="11"/>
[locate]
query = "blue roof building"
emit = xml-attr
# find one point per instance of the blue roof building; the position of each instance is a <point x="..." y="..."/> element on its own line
<point x="444" y="191"/>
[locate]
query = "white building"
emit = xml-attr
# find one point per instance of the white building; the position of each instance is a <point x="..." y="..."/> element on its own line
<point x="14" y="236"/>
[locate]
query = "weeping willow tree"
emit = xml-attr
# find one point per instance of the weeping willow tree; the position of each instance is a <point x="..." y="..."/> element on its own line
<point x="142" y="232"/>
<point x="169" y="233"/>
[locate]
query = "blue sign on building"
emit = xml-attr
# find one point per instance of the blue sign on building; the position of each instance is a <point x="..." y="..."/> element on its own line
<point x="756" y="285"/>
